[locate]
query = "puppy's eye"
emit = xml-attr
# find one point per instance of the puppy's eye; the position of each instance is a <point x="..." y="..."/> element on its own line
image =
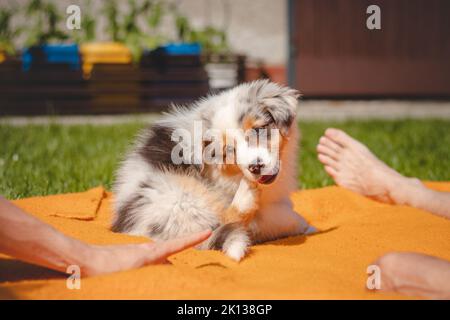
<point x="259" y="130"/>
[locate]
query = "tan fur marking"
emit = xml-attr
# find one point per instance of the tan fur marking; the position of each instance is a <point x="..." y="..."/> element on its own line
<point x="229" y="169"/>
<point x="232" y="214"/>
<point x="213" y="199"/>
<point x="248" y="122"/>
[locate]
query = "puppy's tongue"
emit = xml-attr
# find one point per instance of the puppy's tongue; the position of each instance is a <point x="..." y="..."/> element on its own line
<point x="264" y="179"/>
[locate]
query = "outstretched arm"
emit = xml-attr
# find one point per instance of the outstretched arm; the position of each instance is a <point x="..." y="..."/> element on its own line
<point x="31" y="240"/>
<point x="437" y="202"/>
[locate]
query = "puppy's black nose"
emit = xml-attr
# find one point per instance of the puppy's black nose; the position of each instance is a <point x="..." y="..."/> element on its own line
<point x="255" y="168"/>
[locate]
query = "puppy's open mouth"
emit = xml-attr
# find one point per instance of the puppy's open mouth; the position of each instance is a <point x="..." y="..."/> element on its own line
<point x="267" y="179"/>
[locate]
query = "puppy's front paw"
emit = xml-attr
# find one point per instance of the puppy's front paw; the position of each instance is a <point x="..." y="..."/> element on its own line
<point x="237" y="244"/>
<point x="244" y="204"/>
<point x="236" y="251"/>
<point x="247" y="196"/>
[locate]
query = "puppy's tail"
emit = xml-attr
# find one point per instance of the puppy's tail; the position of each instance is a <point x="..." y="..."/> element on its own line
<point x="232" y="238"/>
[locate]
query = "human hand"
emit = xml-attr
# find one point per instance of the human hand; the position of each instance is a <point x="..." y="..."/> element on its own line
<point x="113" y="258"/>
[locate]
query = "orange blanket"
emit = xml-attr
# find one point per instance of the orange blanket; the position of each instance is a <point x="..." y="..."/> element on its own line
<point x="330" y="264"/>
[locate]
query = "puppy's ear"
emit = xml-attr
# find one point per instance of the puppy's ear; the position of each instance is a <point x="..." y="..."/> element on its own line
<point x="280" y="102"/>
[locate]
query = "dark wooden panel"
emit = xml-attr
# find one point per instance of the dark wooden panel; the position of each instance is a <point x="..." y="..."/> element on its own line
<point x="336" y="55"/>
<point x="113" y="88"/>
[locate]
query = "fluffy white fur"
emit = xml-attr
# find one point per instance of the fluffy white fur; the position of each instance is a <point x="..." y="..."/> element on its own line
<point x="157" y="199"/>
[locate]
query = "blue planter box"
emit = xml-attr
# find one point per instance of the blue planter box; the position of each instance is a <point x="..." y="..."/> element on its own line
<point x="182" y="48"/>
<point x="53" y="54"/>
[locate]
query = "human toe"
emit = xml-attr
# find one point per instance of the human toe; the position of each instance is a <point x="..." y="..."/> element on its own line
<point x="339" y="137"/>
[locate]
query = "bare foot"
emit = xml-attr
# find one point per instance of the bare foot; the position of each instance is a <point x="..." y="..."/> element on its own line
<point x="415" y="274"/>
<point x="353" y="166"/>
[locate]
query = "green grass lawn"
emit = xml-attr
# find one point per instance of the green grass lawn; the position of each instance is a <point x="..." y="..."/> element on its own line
<point x="41" y="160"/>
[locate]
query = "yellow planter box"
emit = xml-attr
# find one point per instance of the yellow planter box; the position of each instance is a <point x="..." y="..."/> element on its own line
<point x="103" y="52"/>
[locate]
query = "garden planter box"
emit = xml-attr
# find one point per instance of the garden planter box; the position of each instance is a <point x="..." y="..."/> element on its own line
<point x="103" y="53"/>
<point x="113" y="82"/>
<point x="114" y="88"/>
<point x="53" y="89"/>
<point x="49" y="54"/>
<point x="45" y="80"/>
<point x="174" y="49"/>
<point x="9" y="69"/>
<point x="119" y="87"/>
<point x="8" y="61"/>
<point x="224" y="70"/>
<point x="172" y="76"/>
